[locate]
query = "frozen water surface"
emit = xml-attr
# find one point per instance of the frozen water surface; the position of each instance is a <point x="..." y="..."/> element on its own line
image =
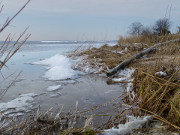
<point x="52" y="79"/>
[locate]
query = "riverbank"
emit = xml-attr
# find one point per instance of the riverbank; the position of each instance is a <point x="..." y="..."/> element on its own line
<point x="103" y="102"/>
<point x="33" y="88"/>
<point x="156" y="80"/>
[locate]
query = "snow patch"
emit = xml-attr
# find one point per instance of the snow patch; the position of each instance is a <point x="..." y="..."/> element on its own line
<point x="126" y="49"/>
<point x="176" y="68"/>
<point x="125" y="75"/>
<point x="54" y="88"/>
<point x="120" y="52"/>
<point x="24" y="103"/>
<point x="59" y="67"/>
<point x="128" y="127"/>
<point x="88" y="66"/>
<point x="161" y="73"/>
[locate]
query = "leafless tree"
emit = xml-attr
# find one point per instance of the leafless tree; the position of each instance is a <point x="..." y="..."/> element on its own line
<point x="135" y="28"/>
<point x="162" y="27"/>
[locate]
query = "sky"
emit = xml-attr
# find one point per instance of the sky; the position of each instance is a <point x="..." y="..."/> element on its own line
<point x="85" y="19"/>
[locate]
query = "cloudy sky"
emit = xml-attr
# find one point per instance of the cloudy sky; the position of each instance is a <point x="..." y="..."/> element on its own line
<point x="86" y="19"/>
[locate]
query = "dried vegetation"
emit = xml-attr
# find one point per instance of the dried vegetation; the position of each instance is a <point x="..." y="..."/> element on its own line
<point x="156" y="94"/>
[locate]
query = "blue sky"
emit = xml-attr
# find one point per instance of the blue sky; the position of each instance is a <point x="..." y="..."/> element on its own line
<point x="86" y="19"/>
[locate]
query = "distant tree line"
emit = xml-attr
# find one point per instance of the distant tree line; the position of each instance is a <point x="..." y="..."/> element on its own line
<point x="161" y="27"/>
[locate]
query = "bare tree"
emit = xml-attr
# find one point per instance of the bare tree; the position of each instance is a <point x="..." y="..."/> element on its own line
<point x="135" y="28"/>
<point x="162" y="27"/>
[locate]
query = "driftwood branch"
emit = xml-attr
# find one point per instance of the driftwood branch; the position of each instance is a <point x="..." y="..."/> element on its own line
<point x="137" y="56"/>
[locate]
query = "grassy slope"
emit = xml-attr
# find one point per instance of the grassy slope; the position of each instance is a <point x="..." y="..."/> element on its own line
<point x="155" y="93"/>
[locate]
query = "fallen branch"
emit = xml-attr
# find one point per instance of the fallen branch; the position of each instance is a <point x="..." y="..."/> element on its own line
<point x="125" y="63"/>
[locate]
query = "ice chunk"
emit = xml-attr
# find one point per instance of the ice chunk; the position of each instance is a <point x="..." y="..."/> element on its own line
<point x="125" y="75"/>
<point x="24" y="103"/>
<point x="128" y="127"/>
<point x="54" y="88"/>
<point x="161" y="73"/>
<point x="59" y="68"/>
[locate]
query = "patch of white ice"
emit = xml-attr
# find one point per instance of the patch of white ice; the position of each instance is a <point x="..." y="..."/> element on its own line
<point x="125" y="75"/>
<point x="176" y="68"/>
<point x="120" y="52"/>
<point x="59" y="68"/>
<point x="126" y="49"/>
<point x="129" y="126"/>
<point x="67" y="81"/>
<point x="55" y="95"/>
<point x="88" y="66"/>
<point x="54" y="88"/>
<point x="161" y="73"/>
<point x="15" y="107"/>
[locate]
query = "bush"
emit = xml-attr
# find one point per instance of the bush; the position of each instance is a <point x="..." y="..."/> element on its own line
<point x="162" y="27"/>
<point x="136" y="28"/>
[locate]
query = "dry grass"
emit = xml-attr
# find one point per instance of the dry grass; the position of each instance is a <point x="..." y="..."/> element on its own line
<point x="110" y="56"/>
<point x="146" y="40"/>
<point x="157" y="94"/>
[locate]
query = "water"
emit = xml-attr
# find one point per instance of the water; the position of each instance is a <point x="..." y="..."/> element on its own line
<point x="89" y="90"/>
<point x="34" y="51"/>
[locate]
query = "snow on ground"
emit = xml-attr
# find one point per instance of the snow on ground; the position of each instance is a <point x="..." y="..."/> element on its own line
<point x="124" y="75"/>
<point x="129" y="126"/>
<point x="161" y="73"/>
<point x="59" y="67"/>
<point x="119" y="52"/>
<point x="88" y="66"/>
<point x="54" y="88"/>
<point x="18" y="106"/>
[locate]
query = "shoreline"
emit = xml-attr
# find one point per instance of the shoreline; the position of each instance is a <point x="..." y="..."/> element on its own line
<point x="92" y="98"/>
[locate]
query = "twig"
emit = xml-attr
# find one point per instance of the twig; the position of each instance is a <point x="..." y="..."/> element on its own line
<point x="8" y="21"/>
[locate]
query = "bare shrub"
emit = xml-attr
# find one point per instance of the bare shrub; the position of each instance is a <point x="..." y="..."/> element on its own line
<point x="135" y="28"/>
<point x="162" y="27"/>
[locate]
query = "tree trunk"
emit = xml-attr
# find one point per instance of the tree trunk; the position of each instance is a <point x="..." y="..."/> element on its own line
<point x="126" y="62"/>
